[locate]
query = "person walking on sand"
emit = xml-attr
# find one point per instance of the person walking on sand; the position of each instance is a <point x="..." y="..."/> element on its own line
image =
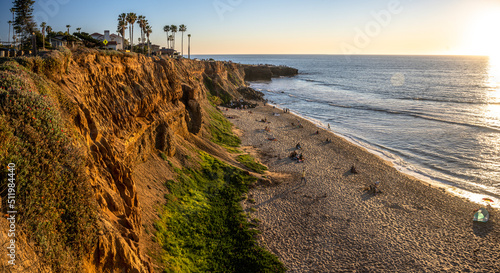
<point x="303" y="179"/>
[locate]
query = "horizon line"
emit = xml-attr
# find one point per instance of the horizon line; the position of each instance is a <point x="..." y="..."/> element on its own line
<point x="340" y="54"/>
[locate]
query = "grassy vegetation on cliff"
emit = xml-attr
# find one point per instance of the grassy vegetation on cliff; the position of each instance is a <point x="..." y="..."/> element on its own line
<point x="250" y="163"/>
<point x="217" y="91"/>
<point x="203" y="227"/>
<point x="52" y="201"/>
<point x="220" y="128"/>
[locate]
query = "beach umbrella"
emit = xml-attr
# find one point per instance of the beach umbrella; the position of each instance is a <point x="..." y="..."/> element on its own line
<point x="481" y="215"/>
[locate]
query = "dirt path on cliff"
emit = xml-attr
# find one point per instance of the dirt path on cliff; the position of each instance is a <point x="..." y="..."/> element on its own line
<point x="329" y="224"/>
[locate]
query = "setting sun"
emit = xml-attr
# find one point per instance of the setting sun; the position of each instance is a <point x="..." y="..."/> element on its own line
<point x="481" y="35"/>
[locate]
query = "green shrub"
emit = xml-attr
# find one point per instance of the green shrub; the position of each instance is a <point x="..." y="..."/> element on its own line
<point x="52" y="198"/>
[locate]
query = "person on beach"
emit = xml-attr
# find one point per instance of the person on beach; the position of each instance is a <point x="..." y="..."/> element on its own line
<point x="303" y="179"/>
<point x="298" y="147"/>
<point x="328" y="126"/>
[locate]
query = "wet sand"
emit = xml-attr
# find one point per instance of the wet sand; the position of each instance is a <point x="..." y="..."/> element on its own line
<point x="330" y="224"/>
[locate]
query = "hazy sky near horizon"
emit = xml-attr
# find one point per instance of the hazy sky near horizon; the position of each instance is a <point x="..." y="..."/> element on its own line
<point x="292" y="26"/>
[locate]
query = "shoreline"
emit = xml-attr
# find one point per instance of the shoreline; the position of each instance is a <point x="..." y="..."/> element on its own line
<point x="330" y="224"/>
<point x="425" y="178"/>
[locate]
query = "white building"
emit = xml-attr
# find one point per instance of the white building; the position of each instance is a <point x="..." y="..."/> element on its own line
<point x="114" y="41"/>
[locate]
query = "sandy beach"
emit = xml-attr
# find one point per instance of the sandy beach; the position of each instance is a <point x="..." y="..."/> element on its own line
<point x="330" y="224"/>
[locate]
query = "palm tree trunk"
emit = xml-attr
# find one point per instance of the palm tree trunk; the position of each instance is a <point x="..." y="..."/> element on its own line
<point x="149" y="48"/>
<point x="182" y="45"/>
<point x="130" y="36"/>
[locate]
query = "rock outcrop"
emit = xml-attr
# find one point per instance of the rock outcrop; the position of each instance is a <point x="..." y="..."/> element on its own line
<point x="267" y="72"/>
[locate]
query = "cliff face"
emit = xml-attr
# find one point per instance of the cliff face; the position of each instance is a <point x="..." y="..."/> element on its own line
<point x="122" y="109"/>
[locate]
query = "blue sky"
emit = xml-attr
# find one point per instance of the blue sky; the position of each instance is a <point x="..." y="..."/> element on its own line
<point x="293" y="26"/>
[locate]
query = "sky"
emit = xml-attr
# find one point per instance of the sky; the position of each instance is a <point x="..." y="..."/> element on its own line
<point x="399" y="27"/>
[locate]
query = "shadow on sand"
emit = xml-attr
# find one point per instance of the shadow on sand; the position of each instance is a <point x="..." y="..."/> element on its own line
<point x="280" y="195"/>
<point x="481" y="229"/>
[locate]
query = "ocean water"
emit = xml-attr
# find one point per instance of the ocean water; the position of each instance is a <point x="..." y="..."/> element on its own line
<point x="435" y="117"/>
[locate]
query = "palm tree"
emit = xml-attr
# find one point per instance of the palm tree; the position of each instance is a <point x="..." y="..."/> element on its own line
<point x="10" y="23"/>
<point x="148" y="31"/>
<point x="78" y="29"/>
<point x="182" y="28"/>
<point x="173" y="28"/>
<point x="170" y="40"/>
<point x="12" y="10"/>
<point x="43" y="25"/>
<point x="167" y="30"/>
<point x="141" y="20"/>
<point x="68" y="26"/>
<point x="131" y="17"/>
<point x="189" y="46"/>
<point x="122" y="26"/>
<point x="48" y="29"/>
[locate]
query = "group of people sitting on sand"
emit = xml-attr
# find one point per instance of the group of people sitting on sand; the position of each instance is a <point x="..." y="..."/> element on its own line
<point x="298" y="126"/>
<point x="373" y="188"/>
<point x="296" y="156"/>
<point x="267" y="129"/>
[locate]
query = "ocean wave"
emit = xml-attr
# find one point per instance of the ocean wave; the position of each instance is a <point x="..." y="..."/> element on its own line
<point x="417" y="115"/>
<point x="451" y="101"/>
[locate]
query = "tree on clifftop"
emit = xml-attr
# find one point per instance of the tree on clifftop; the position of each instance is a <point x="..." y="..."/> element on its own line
<point x="182" y="28"/>
<point x="149" y="30"/>
<point x="23" y="22"/>
<point x="167" y="30"/>
<point x="43" y="25"/>
<point x="131" y="17"/>
<point x="173" y="28"/>
<point x="122" y="26"/>
<point x="142" y="25"/>
<point x="68" y="26"/>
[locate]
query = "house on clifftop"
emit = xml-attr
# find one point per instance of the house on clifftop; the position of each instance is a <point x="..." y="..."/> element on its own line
<point x="115" y="42"/>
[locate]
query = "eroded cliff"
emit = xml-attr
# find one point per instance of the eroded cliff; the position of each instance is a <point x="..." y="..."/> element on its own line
<point x="116" y="112"/>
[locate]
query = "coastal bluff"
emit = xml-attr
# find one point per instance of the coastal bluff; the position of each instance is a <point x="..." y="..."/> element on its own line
<point x="267" y="72"/>
<point x="96" y="134"/>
